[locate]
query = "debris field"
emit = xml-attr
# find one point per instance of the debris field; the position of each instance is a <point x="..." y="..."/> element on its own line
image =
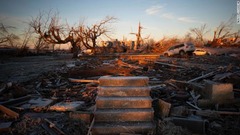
<point x="190" y="95"/>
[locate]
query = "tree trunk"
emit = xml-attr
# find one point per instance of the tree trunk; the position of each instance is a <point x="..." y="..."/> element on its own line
<point x="94" y="46"/>
<point x="75" y="50"/>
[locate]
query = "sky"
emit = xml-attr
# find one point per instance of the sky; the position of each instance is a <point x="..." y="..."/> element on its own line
<point x="158" y="17"/>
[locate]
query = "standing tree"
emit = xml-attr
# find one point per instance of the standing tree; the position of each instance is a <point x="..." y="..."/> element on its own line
<point x="224" y="31"/>
<point x="52" y="32"/>
<point x="199" y="33"/>
<point x="5" y="36"/>
<point x="50" y="29"/>
<point x="89" y="35"/>
<point x="40" y="44"/>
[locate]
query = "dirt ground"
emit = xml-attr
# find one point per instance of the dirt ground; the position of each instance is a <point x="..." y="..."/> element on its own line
<point x="21" y="69"/>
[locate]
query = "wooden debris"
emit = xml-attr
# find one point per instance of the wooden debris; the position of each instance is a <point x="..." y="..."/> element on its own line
<point x="48" y="129"/>
<point x="194" y="124"/>
<point x="90" y="127"/>
<point x="124" y="64"/>
<point x="52" y="125"/>
<point x="9" y="112"/>
<point x="170" y="65"/>
<point x="219" y="77"/>
<point x="67" y="106"/>
<point x="210" y="113"/>
<point x="179" y="111"/>
<point x="205" y="103"/>
<point x="82" y="80"/>
<point x="128" y="134"/>
<point x="201" y="77"/>
<point x="164" y="108"/>
<point x="194" y="106"/>
<point x="16" y="101"/>
<point x="5" y="127"/>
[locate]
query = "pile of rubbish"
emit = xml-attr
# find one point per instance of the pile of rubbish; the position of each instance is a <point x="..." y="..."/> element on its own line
<point x="197" y="95"/>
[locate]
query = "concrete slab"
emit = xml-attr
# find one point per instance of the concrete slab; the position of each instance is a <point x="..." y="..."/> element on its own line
<point x="115" y="115"/>
<point x="122" y="127"/>
<point x="124" y="102"/>
<point x="123" y="91"/>
<point x="123" y="81"/>
<point x="218" y="91"/>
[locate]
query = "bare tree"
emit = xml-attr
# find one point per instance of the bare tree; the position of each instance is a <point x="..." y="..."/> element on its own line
<point x="40" y="44"/>
<point x="225" y="31"/>
<point x="5" y="36"/>
<point x="53" y="32"/>
<point x="89" y="35"/>
<point x="26" y="37"/>
<point x="199" y="33"/>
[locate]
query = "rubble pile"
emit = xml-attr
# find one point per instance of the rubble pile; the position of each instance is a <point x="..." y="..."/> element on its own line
<point x="203" y="99"/>
<point x="194" y="95"/>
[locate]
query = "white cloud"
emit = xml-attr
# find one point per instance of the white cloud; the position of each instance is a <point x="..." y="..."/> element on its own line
<point x="154" y="9"/>
<point x="189" y="20"/>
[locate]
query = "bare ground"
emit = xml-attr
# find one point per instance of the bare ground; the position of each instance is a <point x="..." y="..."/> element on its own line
<point x="21" y="69"/>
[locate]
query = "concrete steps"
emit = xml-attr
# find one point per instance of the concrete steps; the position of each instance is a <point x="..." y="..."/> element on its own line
<point x="116" y="115"/>
<point x="122" y="127"/>
<point x="124" y="102"/>
<point x="123" y="81"/>
<point x="123" y="91"/>
<point x="123" y="105"/>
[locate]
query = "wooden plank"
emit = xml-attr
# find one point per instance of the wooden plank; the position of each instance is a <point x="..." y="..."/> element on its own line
<point x="210" y="113"/>
<point x="82" y="80"/>
<point x="193" y="106"/>
<point x="16" y="101"/>
<point x="170" y="65"/>
<point x="201" y="77"/>
<point x="9" y="112"/>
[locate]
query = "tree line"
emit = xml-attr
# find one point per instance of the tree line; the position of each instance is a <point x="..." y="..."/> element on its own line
<point x="51" y="30"/>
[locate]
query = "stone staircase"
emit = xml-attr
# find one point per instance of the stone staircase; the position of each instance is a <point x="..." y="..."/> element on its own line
<point x="123" y="106"/>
